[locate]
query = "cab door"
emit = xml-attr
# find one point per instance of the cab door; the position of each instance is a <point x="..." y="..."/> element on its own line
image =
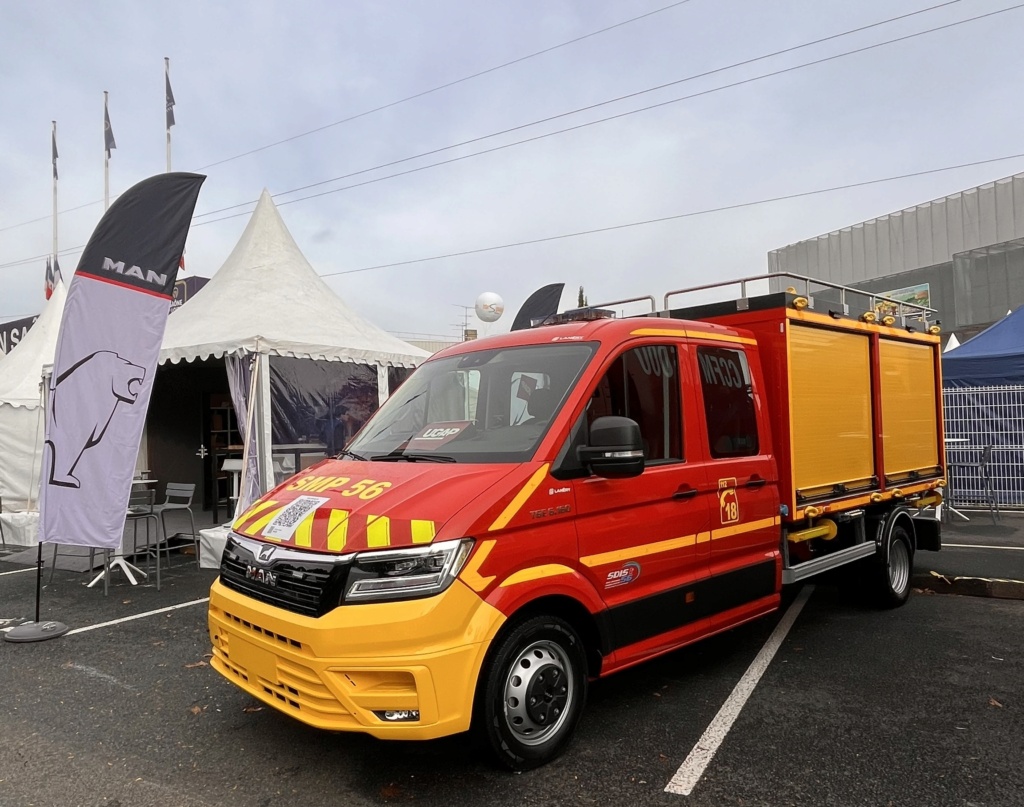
<point x="643" y="541"/>
<point x="744" y="564"/>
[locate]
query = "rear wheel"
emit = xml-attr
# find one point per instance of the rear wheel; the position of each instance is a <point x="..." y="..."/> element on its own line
<point x="893" y="566"/>
<point x="532" y="692"/>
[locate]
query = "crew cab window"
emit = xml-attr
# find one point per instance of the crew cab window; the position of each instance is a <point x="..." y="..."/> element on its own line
<point x="728" y="402"/>
<point x="643" y="384"/>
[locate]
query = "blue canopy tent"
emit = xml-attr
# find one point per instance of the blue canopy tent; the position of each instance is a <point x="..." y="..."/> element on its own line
<point x="994" y="357"/>
<point x="983" y="382"/>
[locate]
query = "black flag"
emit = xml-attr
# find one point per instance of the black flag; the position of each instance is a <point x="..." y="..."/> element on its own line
<point x="108" y="133"/>
<point x="53" y="145"/>
<point x="107" y="352"/>
<point x="170" y="102"/>
<point x="539" y="305"/>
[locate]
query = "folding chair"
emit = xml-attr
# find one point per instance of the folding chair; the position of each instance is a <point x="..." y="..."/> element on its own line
<point x="178" y="496"/>
<point x="982" y="471"/>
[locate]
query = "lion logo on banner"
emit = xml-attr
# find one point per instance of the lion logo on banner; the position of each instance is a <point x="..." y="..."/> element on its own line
<point x="83" y="403"/>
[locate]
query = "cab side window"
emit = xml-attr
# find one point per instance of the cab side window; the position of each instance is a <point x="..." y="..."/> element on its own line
<point x="643" y="384"/>
<point x="728" y="402"/>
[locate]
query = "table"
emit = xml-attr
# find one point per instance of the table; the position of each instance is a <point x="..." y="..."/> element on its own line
<point x="232" y="466"/>
<point x="119" y="561"/>
<point x="296" y="450"/>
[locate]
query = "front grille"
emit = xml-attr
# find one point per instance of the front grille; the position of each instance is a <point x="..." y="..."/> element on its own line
<point x="302" y="582"/>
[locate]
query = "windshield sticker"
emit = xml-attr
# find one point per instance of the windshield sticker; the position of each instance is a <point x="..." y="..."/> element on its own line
<point x="437" y="434"/>
<point x="284" y="524"/>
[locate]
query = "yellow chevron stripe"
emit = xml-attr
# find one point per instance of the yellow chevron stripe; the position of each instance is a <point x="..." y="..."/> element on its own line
<point x="471" y="574"/>
<point x="256" y="509"/>
<point x="378" y="531"/>
<point x="304" y="532"/>
<point x="514" y="506"/>
<point x="263" y="520"/>
<point x="422" y="531"/>
<point x="535" y="573"/>
<point x="337" y="530"/>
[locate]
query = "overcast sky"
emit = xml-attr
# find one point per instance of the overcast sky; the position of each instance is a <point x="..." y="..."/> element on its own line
<point x="249" y="74"/>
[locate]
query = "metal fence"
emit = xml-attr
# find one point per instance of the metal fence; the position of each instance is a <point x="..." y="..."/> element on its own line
<point x="976" y="417"/>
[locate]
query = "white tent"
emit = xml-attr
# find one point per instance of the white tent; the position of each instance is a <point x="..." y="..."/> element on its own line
<point x="267" y="300"/>
<point x="21" y="411"/>
<point x="952" y="344"/>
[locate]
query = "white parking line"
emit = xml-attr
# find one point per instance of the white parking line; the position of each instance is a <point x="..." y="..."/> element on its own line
<point x="137" y="616"/>
<point x="689" y="773"/>
<point x="18" y="571"/>
<point x="980" y="546"/>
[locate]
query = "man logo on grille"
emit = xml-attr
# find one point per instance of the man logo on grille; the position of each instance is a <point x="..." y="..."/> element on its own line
<point x="266" y="554"/>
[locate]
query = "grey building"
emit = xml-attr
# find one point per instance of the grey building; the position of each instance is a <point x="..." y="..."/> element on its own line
<point x="962" y="255"/>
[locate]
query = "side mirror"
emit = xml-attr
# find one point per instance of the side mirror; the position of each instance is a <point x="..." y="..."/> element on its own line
<point x="616" y="450"/>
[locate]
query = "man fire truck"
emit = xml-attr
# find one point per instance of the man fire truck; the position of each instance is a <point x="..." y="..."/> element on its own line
<point x="535" y="510"/>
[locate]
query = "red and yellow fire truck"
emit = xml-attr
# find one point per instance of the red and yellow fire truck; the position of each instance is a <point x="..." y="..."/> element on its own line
<point x="538" y="509"/>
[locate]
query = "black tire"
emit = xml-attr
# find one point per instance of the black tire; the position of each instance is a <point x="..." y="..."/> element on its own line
<point x="893" y="567"/>
<point x="531" y="692"/>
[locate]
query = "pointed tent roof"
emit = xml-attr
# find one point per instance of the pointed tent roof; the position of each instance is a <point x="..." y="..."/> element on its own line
<point x="994" y="356"/>
<point x="267" y="298"/>
<point x="22" y="370"/>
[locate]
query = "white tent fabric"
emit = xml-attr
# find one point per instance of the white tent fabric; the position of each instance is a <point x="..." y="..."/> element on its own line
<point x="952" y="344"/>
<point x="21" y="413"/>
<point x="267" y="299"/>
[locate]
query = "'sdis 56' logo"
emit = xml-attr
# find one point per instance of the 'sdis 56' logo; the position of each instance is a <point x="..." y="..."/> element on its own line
<point x="621" y="577"/>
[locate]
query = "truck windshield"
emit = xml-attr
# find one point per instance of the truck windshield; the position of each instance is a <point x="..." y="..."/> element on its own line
<point x="486" y="406"/>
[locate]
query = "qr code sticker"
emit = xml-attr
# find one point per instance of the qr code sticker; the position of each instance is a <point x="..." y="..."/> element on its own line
<point x="284" y="524"/>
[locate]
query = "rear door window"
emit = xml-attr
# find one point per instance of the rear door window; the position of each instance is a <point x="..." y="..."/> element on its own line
<point x="728" y="402"/>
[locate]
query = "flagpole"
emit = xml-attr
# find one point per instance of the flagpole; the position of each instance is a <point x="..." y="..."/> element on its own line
<point x="54" y="144"/>
<point x="167" y="83"/>
<point x="106" y="157"/>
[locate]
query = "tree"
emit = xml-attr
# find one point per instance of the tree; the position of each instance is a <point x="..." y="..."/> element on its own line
<point x="581" y="302"/>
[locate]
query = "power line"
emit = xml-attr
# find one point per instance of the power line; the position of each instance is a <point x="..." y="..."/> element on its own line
<point x="675" y="217"/>
<point x="605" y="119"/>
<point x="598" y="121"/>
<point x="589" y="107"/>
<point x="399" y="101"/>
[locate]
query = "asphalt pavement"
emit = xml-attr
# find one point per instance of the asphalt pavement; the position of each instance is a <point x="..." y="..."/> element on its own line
<point x="914" y="707"/>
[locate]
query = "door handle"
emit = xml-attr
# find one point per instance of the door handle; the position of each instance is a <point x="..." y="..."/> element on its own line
<point x="755" y="481"/>
<point x="685" y="492"/>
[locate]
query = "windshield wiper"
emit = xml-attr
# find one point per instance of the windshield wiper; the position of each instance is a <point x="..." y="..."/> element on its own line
<point x="346" y="453"/>
<point x="399" y="456"/>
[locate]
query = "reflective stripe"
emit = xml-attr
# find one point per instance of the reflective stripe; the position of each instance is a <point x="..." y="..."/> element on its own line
<point x="253" y="511"/>
<point x="378" y="531"/>
<point x="516" y="504"/>
<point x="535" y="573"/>
<point x="337" y="530"/>
<point x="471" y="574"/>
<point x="422" y="531"/>
<point x="263" y="520"/>
<point x="748" y="526"/>
<point x="304" y="532"/>
<point x="712" y="337"/>
<point x="644" y="549"/>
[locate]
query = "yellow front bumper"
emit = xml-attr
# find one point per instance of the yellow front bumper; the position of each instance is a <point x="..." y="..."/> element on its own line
<point x="338" y="671"/>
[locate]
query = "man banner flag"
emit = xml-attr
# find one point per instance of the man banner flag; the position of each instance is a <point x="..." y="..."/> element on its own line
<point x="106" y="357"/>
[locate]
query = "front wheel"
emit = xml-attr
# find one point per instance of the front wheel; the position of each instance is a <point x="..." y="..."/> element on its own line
<point x="532" y="692"/>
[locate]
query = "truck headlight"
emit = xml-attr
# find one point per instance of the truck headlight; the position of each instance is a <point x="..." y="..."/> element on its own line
<point x="402" y="574"/>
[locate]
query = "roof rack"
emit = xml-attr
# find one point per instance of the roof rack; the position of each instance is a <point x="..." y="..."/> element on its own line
<point x="835" y="293"/>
